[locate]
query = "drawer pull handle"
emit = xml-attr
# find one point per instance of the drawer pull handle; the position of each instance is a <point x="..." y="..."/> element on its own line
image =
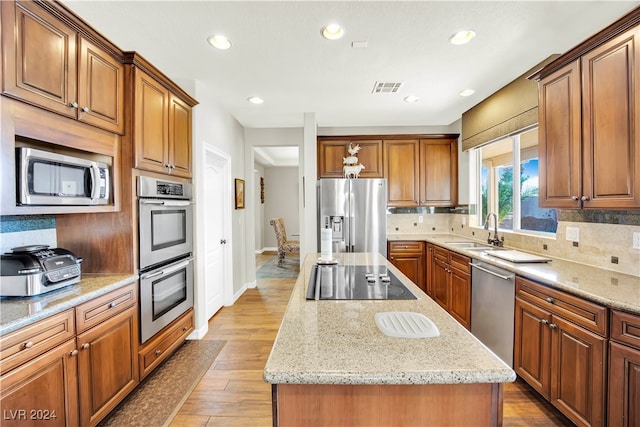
<point x="550" y="300"/>
<point x="158" y="352"/>
<point x="113" y="304"/>
<point x="553" y="326"/>
<point x="85" y="346"/>
<point x="74" y="353"/>
<point x="28" y="345"/>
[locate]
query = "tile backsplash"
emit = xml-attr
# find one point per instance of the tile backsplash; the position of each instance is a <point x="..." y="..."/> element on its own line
<point x="599" y="244"/>
<point x="22" y="230"/>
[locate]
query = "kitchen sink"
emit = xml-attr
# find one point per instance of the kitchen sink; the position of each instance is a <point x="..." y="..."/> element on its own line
<point x="470" y="245"/>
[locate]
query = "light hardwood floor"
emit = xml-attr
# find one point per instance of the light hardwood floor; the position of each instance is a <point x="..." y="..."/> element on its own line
<point x="233" y="393"/>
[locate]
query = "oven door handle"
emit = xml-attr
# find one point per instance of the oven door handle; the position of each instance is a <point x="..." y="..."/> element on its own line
<point x="168" y="270"/>
<point x="166" y="202"/>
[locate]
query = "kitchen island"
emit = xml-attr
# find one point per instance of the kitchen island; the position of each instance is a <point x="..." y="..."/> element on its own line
<point x="331" y="365"/>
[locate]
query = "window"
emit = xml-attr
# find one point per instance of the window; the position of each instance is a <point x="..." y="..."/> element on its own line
<point x="511" y="193"/>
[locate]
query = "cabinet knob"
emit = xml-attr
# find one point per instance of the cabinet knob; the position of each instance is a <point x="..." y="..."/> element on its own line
<point x="158" y="352"/>
<point x="113" y="304"/>
<point x="392" y="258"/>
<point x="74" y="353"/>
<point x="544" y="321"/>
<point x="585" y="198"/>
<point x="85" y="109"/>
<point x="73" y="105"/>
<point x="85" y="346"/>
<point x="550" y="300"/>
<point x="185" y="329"/>
<point x="575" y="198"/>
<point x="28" y="345"/>
<point x="553" y="326"/>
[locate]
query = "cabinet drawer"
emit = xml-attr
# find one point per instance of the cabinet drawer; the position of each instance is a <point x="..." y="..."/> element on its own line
<point x="625" y="328"/>
<point x="156" y="350"/>
<point x="460" y="262"/>
<point x="582" y="312"/>
<point x="441" y="253"/>
<point x="102" y="308"/>
<point x="406" y="247"/>
<point x="24" y="344"/>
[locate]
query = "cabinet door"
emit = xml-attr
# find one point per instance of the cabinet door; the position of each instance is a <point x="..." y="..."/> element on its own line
<point x="151" y="124"/>
<point x="100" y="88"/>
<point x="611" y="123"/>
<point x="460" y="298"/>
<point x="560" y="139"/>
<point x="532" y="349"/>
<point x="179" y="137"/>
<point x="579" y="372"/>
<point x="624" y="386"/>
<point x="370" y="156"/>
<point x="409" y="258"/>
<point x="441" y="283"/>
<point x="438" y="172"/>
<point x="39" y="58"/>
<point x="330" y="155"/>
<point x="401" y="163"/>
<point x="107" y="365"/>
<point x="42" y="392"/>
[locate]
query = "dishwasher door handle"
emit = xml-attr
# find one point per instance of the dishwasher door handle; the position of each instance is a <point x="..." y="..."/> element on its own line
<point x="479" y="267"/>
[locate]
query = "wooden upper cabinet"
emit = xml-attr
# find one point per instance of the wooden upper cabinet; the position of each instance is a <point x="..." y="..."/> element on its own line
<point x="560" y="138"/>
<point x="151" y="123"/>
<point x="179" y="137"/>
<point x="611" y="123"/>
<point x="438" y="172"/>
<point x="332" y="151"/>
<point x="589" y="135"/>
<point x="162" y="121"/>
<point x="47" y="63"/>
<point x="401" y="168"/>
<point x="100" y="88"/>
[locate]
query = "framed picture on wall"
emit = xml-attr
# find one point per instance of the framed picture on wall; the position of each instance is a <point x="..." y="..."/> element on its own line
<point x="261" y="190"/>
<point x="239" y="193"/>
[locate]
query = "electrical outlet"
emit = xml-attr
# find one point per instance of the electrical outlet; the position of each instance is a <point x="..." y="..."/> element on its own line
<point x="573" y="234"/>
<point x="420" y="219"/>
<point x="636" y="240"/>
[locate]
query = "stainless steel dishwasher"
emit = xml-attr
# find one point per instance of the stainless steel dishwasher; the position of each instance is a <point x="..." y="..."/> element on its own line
<point x="492" y="308"/>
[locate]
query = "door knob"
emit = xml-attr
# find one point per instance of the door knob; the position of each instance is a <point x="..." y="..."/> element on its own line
<point x="223" y="241"/>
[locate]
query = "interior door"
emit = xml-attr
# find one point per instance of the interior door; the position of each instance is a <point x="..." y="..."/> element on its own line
<point x="215" y="236"/>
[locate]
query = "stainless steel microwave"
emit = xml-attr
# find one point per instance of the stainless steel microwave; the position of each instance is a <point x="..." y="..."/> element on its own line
<point x="46" y="178"/>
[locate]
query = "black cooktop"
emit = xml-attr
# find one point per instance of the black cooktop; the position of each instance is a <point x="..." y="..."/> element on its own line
<point x="355" y="282"/>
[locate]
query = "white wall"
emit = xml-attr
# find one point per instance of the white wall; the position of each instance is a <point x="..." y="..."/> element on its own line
<point x="281" y="200"/>
<point x="215" y="126"/>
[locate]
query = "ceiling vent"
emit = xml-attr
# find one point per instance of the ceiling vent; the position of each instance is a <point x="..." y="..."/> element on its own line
<point x="386" y="87"/>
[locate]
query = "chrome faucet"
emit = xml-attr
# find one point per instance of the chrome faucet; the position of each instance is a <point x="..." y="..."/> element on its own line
<point x="496" y="241"/>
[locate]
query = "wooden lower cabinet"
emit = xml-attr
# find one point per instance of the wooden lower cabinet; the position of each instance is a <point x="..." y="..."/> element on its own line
<point x="564" y="361"/>
<point x="624" y="370"/>
<point x="409" y="257"/>
<point x="450" y="283"/>
<point x="162" y="345"/>
<point x="43" y="391"/>
<point x="390" y="405"/>
<point x="107" y="365"/>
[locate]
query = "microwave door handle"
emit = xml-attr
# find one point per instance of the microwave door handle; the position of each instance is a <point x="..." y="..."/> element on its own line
<point x="94" y="187"/>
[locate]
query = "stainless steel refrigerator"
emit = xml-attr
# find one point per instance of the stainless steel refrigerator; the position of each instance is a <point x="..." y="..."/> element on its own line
<point x="356" y="212"/>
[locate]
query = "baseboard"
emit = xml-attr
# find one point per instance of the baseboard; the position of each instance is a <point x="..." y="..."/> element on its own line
<point x="198" y="334"/>
<point x="252" y="285"/>
<point x="238" y="294"/>
<point x="270" y="249"/>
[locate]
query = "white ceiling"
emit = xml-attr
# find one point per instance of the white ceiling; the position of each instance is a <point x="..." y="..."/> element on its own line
<point x="278" y="53"/>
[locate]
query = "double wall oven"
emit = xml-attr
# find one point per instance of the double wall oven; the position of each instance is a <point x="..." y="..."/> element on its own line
<point x="165" y="215"/>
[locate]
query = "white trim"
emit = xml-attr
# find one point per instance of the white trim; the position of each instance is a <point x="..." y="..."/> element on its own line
<point x="198" y="334"/>
<point x="252" y="285"/>
<point x="238" y="294"/>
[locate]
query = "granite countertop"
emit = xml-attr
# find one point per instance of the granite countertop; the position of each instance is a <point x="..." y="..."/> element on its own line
<point x="16" y="312"/>
<point x="338" y="342"/>
<point x="609" y="288"/>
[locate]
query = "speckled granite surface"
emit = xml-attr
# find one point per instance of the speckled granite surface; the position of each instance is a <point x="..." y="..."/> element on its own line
<point x="16" y="312"/>
<point x="338" y="342"/>
<point x="609" y="288"/>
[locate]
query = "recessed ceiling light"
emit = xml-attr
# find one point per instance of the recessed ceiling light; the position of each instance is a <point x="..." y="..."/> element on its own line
<point x="332" y="32"/>
<point x="219" y="42"/>
<point x="411" y="98"/>
<point x="467" y="92"/>
<point x="255" y="100"/>
<point x="462" y="37"/>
